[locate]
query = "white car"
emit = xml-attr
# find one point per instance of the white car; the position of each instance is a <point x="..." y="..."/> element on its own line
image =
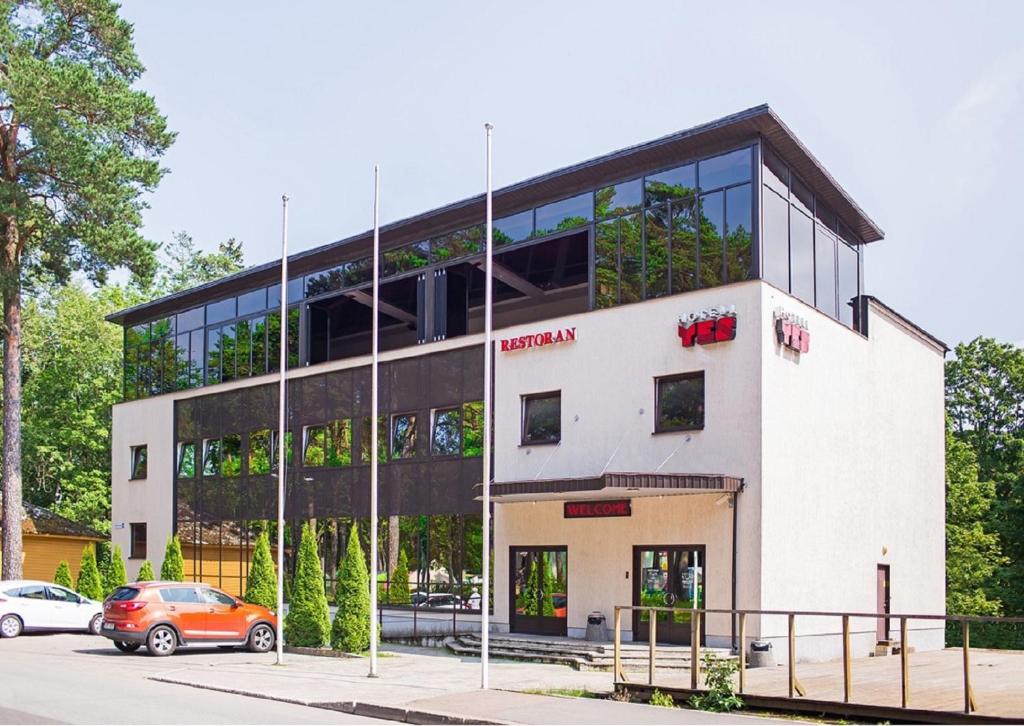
<point x="32" y="605"/>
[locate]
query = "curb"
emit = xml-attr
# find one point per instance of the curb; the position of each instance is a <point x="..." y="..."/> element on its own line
<point x="369" y="710"/>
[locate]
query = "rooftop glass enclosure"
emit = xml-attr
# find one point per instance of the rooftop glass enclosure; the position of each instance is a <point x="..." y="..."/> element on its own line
<point x="711" y="221"/>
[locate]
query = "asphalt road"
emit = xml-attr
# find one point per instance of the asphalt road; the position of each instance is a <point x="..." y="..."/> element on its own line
<point x="83" y="679"/>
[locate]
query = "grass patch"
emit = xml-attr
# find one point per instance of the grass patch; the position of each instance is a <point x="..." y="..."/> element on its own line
<point x="563" y="692"/>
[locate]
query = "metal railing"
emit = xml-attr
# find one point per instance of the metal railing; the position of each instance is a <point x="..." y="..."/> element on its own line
<point x="794" y="687"/>
<point x="435" y="599"/>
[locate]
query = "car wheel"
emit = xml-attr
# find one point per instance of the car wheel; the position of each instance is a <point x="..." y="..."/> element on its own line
<point x="10" y="626"/>
<point x="95" y="624"/>
<point x="261" y="639"/>
<point x="126" y="647"/>
<point x="161" y="641"/>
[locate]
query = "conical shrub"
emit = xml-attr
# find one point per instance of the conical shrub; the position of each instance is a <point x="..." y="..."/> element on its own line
<point x="262" y="586"/>
<point x="350" y="631"/>
<point x="308" y="622"/>
<point x="146" y="572"/>
<point x="398" y="590"/>
<point x="63" y="575"/>
<point x="173" y="567"/>
<point x="89" y="584"/>
<point x="115" y="575"/>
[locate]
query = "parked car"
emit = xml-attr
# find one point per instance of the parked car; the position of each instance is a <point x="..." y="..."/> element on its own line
<point x="443" y="601"/>
<point x="165" y="616"/>
<point x="32" y="605"/>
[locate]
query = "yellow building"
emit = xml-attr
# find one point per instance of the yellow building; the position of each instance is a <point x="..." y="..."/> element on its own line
<point x="48" y="538"/>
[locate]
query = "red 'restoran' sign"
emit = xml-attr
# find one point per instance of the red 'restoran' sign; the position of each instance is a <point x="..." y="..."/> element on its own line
<point x="538" y="340"/>
<point x="609" y="508"/>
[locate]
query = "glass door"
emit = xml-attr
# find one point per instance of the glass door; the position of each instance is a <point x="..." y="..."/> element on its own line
<point x="539" y="590"/>
<point x="667" y="576"/>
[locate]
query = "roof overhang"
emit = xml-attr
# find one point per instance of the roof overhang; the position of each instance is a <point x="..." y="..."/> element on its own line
<point x="720" y="135"/>
<point x="612" y="486"/>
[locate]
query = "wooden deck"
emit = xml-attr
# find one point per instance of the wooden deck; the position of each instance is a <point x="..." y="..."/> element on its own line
<point x="935" y="678"/>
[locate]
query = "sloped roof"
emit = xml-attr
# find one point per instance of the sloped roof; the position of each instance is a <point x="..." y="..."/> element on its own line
<point x="39" y="520"/>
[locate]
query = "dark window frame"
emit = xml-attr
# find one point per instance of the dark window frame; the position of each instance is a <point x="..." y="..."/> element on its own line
<point x="392" y="455"/>
<point x="133" y="542"/>
<point x="136" y="460"/>
<point x="689" y="375"/>
<point x="524" y="401"/>
<point x="433" y="429"/>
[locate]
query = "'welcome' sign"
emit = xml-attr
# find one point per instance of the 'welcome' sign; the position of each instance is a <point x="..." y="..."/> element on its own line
<point x="604" y="508"/>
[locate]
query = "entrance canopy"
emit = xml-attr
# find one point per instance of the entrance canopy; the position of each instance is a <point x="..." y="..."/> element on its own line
<point x="612" y="486"/>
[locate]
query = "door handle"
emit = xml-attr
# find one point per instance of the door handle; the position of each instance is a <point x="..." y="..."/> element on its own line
<point x="171" y="607"/>
<point x="211" y="610"/>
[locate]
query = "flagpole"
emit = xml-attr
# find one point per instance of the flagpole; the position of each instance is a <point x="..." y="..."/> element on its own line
<point x="281" y="459"/>
<point x="373" y="425"/>
<point x="485" y="598"/>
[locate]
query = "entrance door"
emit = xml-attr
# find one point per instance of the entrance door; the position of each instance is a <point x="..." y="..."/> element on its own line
<point x="667" y="576"/>
<point x="539" y="590"/>
<point x="882" y="601"/>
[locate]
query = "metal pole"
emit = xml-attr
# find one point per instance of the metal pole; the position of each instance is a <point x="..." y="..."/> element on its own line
<point x="486" y="523"/>
<point x="374" y="423"/>
<point x="281" y="423"/>
<point x="904" y="664"/>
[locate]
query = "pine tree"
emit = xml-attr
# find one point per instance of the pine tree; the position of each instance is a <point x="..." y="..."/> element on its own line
<point x="262" y="586"/>
<point x="173" y="567"/>
<point x="114" y="575"/>
<point x="398" y="590"/>
<point x="350" y="631"/>
<point x="63" y="575"/>
<point x="308" y="622"/>
<point x="89" y="584"/>
<point x="146" y="572"/>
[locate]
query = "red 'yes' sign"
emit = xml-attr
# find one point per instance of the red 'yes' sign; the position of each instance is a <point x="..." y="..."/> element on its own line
<point x="703" y="332"/>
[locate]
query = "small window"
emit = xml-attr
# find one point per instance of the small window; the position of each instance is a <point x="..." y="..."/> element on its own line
<point x="179" y="594"/>
<point x="259" y="452"/>
<point x="314" y="448"/>
<point x="339" y="443"/>
<point x="473" y="428"/>
<point x="186" y="460"/>
<point x="365" y="440"/>
<point x="542" y="418"/>
<point x="138" y="545"/>
<point x="211" y="457"/>
<point x="403" y="436"/>
<point x="216" y="597"/>
<point x="446" y="436"/>
<point x="231" y="455"/>
<point x="680" y="402"/>
<point x="139" y="457"/>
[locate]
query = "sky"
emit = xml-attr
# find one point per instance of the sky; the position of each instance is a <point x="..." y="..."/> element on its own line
<point x="914" y="107"/>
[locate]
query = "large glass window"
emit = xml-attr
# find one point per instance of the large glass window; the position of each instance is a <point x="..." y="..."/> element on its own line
<point x="656" y="251"/>
<point x="684" y="246"/>
<point x="775" y="241"/>
<point x="848" y="282"/>
<point x="403" y="436"/>
<point x="243" y="348"/>
<point x="196" y="357"/>
<point x="252" y="302"/>
<point x="231" y="455"/>
<point x="458" y="244"/>
<point x="473" y="428"/>
<point x="140" y="455"/>
<point x="724" y="169"/>
<point x="618" y="199"/>
<point x="712" y="228"/>
<point x="191" y="319"/>
<point x="211" y="457"/>
<point x="542" y="418"/>
<point x="825" y="271"/>
<point x="680" y="402"/>
<point x="446" y="434"/>
<point x="564" y="214"/>
<point x="259" y="452"/>
<point x="227" y="353"/>
<point x="220" y="311"/>
<point x="739" y="230"/>
<point x="259" y="346"/>
<point x="408" y="257"/>
<point x="213" y="355"/>
<point x="513" y="228"/>
<point x="801" y="256"/>
<point x="671" y="184"/>
<point x="606" y="264"/>
<point x="631" y="261"/>
<point x="186" y="460"/>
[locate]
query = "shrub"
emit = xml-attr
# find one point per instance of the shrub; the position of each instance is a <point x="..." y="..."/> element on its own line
<point x="114" y="574"/>
<point x="350" y="631"/>
<point x="262" y="586"/>
<point x="308" y="622"/>
<point x="398" y="591"/>
<point x="146" y="572"/>
<point x="63" y="575"/>
<point x="664" y="700"/>
<point x="89" y="584"/>
<point x="173" y="567"/>
<point x="720" y="695"/>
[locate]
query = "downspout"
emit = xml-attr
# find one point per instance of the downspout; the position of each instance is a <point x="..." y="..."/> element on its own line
<point x="735" y="509"/>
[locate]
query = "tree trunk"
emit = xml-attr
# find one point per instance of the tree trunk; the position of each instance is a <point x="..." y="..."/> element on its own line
<point x="392" y="544"/>
<point x="12" y="550"/>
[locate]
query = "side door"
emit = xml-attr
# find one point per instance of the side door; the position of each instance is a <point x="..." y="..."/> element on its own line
<point x="68" y="612"/>
<point x="185" y="610"/>
<point x="35" y="608"/>
<point x="224" y="619"/>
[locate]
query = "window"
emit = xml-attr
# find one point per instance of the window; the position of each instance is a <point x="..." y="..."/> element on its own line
<point x="618" y="199"/>
<point x="513" y="228"/>
<point x="473" y="428"/>
<point x="61" y="595"/>
<point x="542" y="418"/>
<point x="725" y="169"/>
<point x="365" y="440"/>
<point x="138" y="544"/>
<point x="215" y="597"/>
<point x="680" y="402"/>
<point x="231" y="455"/>
<point x="446" y="435"/>
<point x="848" y="283"/>
<point x="801" y="255"/>
<point x="339" y="443"/>
<point x="671" y="184"/>
<point x="403" y="436"/>
<point x="220" y="310"/>
<point x="186" y="460"/>
<point x="289" y="449"/>
<point x="33" y="592"/>
<point x="139" y="456"/>
<point x="775" y="241"/>
<point x="179" y="594"/>
<point x="211" y="457"/>
<point x="564" y="214"/>
<point x="259" y="452"/>
<point x="825" y="271"/>
<point x="314" y="447"/>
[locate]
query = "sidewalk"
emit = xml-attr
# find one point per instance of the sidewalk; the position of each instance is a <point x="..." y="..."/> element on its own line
<point x="427" y="686"/>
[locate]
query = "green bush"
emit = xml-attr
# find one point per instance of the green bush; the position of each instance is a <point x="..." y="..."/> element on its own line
<point x="350" y="631"/>
<point x="308" y="622"/>
<point x="63" y="575"/>
<point x="114" y="574"/>
<point x="89" y="584"/>
<point x="720" y="695"/>
<point x="398" y="590"/>
<point x="173" y="567"/>
<point x="146" y="572"/>
<point x="262" y="586"/>
<point x="662" y="699"/>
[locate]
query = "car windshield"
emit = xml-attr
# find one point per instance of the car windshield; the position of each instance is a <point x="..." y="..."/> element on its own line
<point x="124" y="593"/>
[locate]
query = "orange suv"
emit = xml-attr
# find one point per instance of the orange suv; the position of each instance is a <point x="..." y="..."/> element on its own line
<point x="165" y="616"/>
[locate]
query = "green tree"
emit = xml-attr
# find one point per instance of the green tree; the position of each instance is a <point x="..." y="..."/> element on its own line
<point x="398" y="590"/>
<point x="79" y="147"/>
<point x="184" y="266"/>
<point x="350" y="631"/>
<point x="308" y="622"/>
<point x="63" y="575"/>
<point x="262" y="586"/>
<point x="114" y="574"/>
<point x="146" y="572"/>
<point x="173" y="566"/>
<point x="89" y="584"/>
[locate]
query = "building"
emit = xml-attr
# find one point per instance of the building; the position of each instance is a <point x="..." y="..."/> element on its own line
<point x="47" y="538"/>
<point x="696" y="400"/>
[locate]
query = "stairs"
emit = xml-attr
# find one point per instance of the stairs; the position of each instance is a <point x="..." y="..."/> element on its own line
<point x="578" y="654"/>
